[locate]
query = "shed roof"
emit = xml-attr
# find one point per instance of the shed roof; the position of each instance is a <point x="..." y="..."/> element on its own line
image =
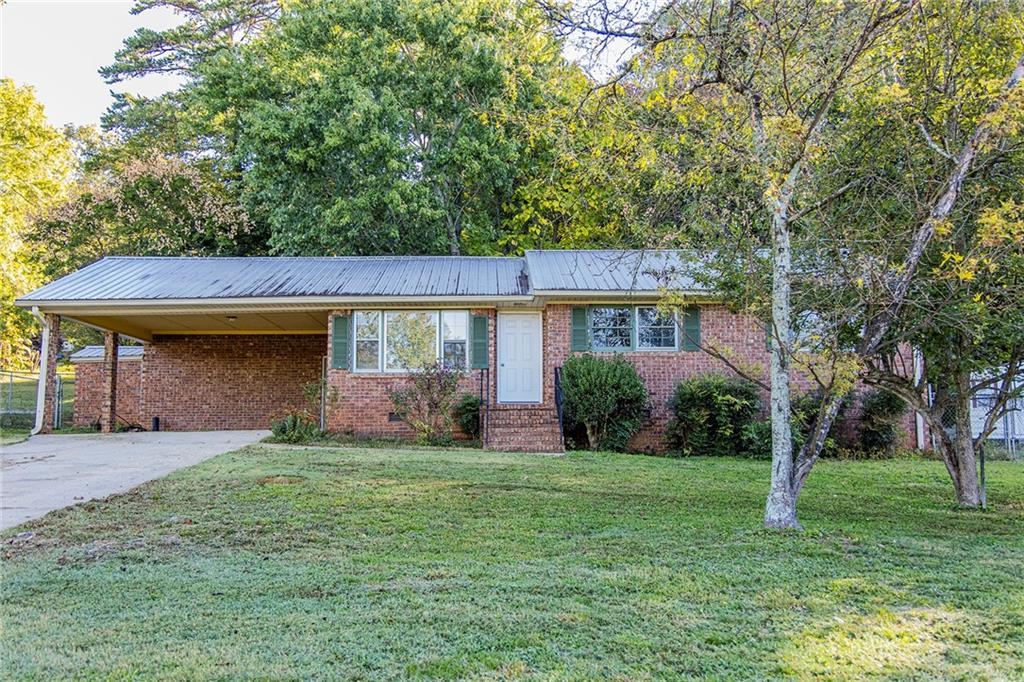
<point x="92" y="353"/>
<point x="167" y="278"/>
<point x="610" y="271"/>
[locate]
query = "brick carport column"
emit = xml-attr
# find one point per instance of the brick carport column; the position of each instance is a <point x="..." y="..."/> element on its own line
<point x="108" y="418"/>
<point x="50" y="379"/>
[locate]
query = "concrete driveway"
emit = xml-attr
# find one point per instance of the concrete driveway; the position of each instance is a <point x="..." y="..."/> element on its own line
<point x="49" y="472"/>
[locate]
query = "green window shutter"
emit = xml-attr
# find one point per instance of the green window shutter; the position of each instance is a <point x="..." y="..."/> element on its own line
<point x="580" y="332"/>
<point x="340" y="334"/>
<point x="691" y="328"/>
<point x="768" y="336"/>
<point x="478" y="342"/>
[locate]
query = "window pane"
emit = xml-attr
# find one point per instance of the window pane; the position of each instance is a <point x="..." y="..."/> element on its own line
<point x="652" y="317"/>
<point x="611" y="327"/>
<point x="367" y="325"/>
<point x="655" y="329"/>
<point x="657" y="337"/>
<point x="610" y="317"/>
<point x="411" y="341"/>
<point x="455" y="354"/>
<point x="368" y="355"/>
<point x="455" y="325"/>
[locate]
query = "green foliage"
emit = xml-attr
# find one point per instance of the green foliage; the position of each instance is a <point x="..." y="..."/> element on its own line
<point x="427" y="402"/>
<point x="296" y="427"/>
<point x="467" y="414"/>
<point x="712" y="415"/>
<point x="606" y="397"/>
<point x="386" y="126"/>
<point x="140" y="206"/>
<point x="35" y="165"/>
<point x="881" y="414"/>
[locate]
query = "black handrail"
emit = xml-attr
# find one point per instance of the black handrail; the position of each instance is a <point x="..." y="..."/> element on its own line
<point x="558" y="402"/>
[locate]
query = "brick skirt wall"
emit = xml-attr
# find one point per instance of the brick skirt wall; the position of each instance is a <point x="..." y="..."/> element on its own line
<point x="89" y="388"/>
<point x="227" y="381"/>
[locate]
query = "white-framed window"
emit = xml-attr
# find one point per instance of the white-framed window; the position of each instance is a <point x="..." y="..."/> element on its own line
<point x="455" y="338"/>
<point x="404" y="340"/>
<point x="611" y="328"/>
<point x="655" y="329"/>
<point x="367" y="340"/>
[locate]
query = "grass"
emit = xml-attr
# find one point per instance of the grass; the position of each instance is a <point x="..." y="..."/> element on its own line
<point x="10" y="436"/>
<point x="331" y="563"/>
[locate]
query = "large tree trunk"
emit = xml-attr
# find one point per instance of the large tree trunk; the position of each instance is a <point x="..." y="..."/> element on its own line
<point x="780" y="508"/>
<point x="968" y="494"/>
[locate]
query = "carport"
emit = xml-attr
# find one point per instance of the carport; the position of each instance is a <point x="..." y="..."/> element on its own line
<point x="228" y="343"/>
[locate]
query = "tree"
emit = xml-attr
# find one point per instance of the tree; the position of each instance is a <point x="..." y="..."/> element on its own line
<point x="139" y="206"/>
<point x="386" y="126"/>
<point x="924" y="252"/>
<point x="762" y="80"/>
<point x="35" y="163"/>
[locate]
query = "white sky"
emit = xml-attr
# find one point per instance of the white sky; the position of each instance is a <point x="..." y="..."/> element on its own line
<point x="56" y="46"/>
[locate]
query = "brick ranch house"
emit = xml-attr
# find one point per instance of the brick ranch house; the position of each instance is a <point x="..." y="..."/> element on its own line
<point x="230" y="343"/>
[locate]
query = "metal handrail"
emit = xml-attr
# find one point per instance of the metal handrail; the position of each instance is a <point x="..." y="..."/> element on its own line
<point x="558" y="402"/>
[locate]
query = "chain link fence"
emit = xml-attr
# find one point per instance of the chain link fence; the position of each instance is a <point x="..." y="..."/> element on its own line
<point x="1006" y="441"/>
<point x="18" y="392"/>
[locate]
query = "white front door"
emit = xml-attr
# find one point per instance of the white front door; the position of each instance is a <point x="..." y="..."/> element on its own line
<point x="519" y="358"/>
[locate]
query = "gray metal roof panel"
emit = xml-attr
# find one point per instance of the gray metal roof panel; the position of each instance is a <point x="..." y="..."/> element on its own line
<point x="163" y="278"/>
<point x="611" y="270"/>
<point x="97" y="352"/>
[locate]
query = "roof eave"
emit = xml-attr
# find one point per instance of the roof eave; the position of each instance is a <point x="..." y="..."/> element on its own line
<point x="270" y="304"/>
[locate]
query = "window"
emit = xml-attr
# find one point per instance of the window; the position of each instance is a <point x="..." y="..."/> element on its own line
<point x="400" y="340"/>
<point x="655" y="329"/>
<point x="454" y="337"/>
<point x="410" y="340"/>
<point x="367" y="340"/>
<point x="611" y="328"/>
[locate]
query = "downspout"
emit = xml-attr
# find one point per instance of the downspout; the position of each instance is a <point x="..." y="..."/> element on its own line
<point x="44" y="358"/>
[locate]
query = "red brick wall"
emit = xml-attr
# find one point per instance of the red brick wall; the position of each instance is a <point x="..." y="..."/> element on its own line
<point x="89" y="389"/>
<point x="227" y="381"/>
<point x="662" y="370"/>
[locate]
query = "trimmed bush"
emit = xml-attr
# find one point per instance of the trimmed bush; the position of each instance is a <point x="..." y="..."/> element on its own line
<point x="467" y="414"/>
<point x="713" y="415"/>
<point x="604" y="396"/>
<point x="881" y="412"/>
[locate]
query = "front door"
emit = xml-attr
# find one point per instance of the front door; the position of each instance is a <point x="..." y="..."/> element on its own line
<point x="519" y="358"/>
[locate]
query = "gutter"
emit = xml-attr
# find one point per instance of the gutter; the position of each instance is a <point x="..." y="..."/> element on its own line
<point x="44" y="361"/>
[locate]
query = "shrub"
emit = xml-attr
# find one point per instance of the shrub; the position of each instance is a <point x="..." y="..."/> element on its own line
<point x="427" y="402"/>
<point x="881" y="412"/>
<point x="606" y="397"/>
<point x="296" y="427"/>
<point x="713" y="415"/>
<point x="467" y="414"/>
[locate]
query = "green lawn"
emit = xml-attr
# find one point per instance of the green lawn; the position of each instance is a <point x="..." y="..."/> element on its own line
<point x="9" y="436"/>
<point x="369" y="564"/>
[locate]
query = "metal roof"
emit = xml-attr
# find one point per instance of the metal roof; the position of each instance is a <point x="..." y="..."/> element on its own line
<point x="97" y="352"/>
<point x="123" y="280"/>
<point x="610" y="270"/>
<point x="167" y="278"/>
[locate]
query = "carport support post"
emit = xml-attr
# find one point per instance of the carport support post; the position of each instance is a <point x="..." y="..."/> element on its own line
<point x="108" y="420"/>
<point x="47" y="373"/>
